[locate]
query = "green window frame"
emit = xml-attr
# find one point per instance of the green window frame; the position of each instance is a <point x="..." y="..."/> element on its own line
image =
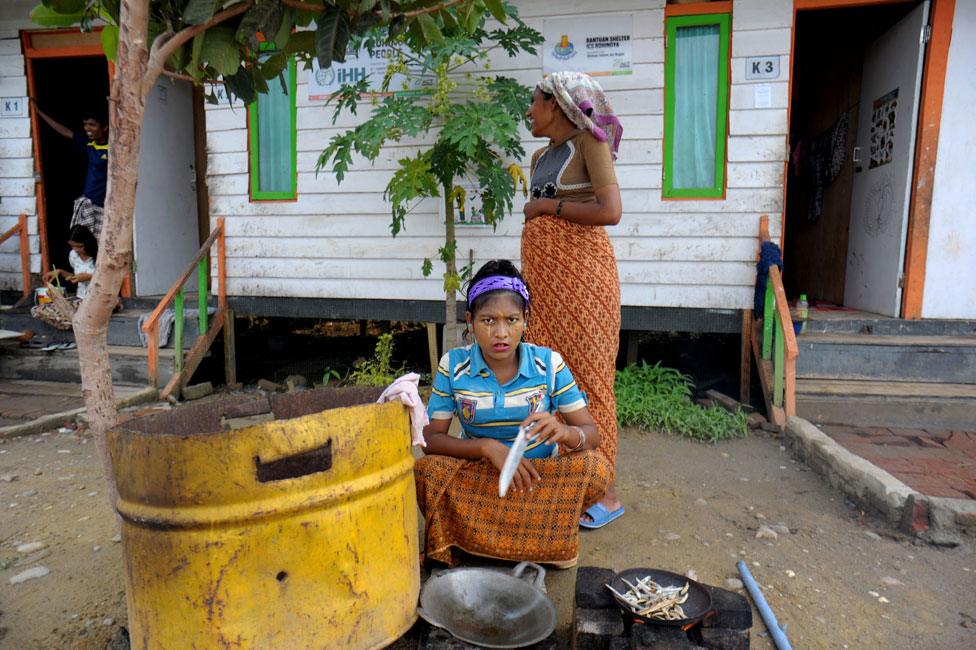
<point x="261" y="130"/>
<point x="673" y="186"/>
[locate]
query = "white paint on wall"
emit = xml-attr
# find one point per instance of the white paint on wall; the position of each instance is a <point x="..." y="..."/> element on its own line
<point x="950" y="270"/>
<point x="334" y="240"/>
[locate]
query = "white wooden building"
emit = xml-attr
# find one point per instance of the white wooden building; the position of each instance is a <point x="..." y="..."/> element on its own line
<point x="685" y="264"/>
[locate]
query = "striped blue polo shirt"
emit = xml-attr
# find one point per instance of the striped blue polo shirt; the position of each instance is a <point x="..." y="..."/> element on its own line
<point x="466" y="386"/>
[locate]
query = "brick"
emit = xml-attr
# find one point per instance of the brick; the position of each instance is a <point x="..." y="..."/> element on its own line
<point x="619" y="643"/>
<point x="593" y="628"/>
<point x="890" y="441"/>
<point x="196" y="391"/>
<point x="908" y="433"/>
<point x="658" y="637"/>
<point x="915" y="516"/>
<point x="732" y="610"/>
<point x="721" y="638"/>
<point x="591" y="590"/>
<point x="927" y="442"/>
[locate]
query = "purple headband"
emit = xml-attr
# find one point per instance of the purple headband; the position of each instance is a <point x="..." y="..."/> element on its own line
<point x="496" y="283"/>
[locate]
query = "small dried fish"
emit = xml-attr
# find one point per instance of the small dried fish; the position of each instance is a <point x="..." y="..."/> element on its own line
<point x="649" y="599"/>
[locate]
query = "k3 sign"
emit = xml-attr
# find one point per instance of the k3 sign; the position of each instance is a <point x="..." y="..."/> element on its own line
<point x="762" y="67"/>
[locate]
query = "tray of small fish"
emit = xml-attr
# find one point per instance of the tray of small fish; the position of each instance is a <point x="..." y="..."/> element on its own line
<point x="660" y="597"/>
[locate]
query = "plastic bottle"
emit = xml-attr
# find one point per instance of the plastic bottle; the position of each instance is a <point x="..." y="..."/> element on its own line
<point x="803" y="311"/>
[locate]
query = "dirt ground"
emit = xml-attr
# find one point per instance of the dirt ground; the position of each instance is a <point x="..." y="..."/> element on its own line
<point x="839" y="579"/>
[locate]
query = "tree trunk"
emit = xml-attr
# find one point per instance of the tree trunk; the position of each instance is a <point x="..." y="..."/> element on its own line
<point x="126" y="110"/>
<point x="451" y="338"/>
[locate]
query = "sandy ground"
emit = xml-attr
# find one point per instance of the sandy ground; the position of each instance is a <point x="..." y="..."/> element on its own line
<point x="689" y="506"/>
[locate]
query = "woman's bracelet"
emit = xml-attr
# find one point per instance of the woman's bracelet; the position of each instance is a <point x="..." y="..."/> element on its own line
<point x="582" y="441"/>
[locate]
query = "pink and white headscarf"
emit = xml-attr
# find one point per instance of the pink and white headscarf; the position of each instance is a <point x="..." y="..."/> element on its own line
<point x="585" y="104"/>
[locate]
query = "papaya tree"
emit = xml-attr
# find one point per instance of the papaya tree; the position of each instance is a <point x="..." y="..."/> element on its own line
<point x="205" y="42"/>
<point x="470" y="120"/>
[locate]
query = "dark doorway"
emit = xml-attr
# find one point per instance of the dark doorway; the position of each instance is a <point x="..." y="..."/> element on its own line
<point x="828" y="53"/>
<point x="65" y="89"/>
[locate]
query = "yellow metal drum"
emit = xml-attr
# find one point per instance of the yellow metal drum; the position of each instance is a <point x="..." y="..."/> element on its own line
<point x="292" y="533"/>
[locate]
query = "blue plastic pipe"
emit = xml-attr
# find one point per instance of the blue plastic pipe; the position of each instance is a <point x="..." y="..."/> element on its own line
<point x="779" y="636"/>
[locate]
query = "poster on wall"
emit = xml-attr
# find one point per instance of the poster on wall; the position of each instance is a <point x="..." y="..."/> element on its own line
<point x="323" y="83"/>
<point x="883" y="129"/>
<point x="596" y="45"/>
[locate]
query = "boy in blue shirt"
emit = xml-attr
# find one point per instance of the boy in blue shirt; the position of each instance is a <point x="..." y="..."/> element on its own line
<point x="494" y="386"/>
<point x="89" y="207"/>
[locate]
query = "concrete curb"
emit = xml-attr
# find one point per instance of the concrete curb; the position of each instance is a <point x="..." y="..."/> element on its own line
<point x="48" y="422"/>
<point x="934" y="519"/>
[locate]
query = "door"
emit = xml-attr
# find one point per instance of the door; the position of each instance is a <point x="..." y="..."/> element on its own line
<point x="165" y="235"/>
<point x="883" y="164"/>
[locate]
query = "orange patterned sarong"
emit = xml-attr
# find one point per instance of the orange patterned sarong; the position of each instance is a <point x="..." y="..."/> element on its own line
<point x="460" y="503"/>
<point x="572" y="276"/>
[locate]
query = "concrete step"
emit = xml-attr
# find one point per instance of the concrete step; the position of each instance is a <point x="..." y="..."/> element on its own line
<point x="910" y="405"/>
<point x="890" y="326"/>
<point x="939" y="359"/>
<point x="123" y="328"/>
<point x="130" y="365"/>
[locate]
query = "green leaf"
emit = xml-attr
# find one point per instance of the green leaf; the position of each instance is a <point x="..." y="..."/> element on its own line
<point x="274" y="65"/>
<point x="65" y="6"/>
<point x="241" y="84"/>
<point x="497" y="9"/>
<point x="301" y="43"/>
<point x="341" y="39"/>
<point x="221" y="51"/>
<point x="397" y="26"/>
<point x="198" y="12"/>
<point x="432" y="33"/>
<point x="284" y="31"/>
<point x="326" y="34"/>
<point x="110" y="41"/>
<point x="427" y="267"/>
<point x="49" y="18"/>
<point x="263" y="17"/>
<point x="194" y="69"/>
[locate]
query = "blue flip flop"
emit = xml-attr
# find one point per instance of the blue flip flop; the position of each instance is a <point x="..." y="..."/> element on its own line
<point x="601" y="516"/>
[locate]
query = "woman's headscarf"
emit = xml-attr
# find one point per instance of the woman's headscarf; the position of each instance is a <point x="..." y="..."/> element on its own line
<point x="585" y="104"/>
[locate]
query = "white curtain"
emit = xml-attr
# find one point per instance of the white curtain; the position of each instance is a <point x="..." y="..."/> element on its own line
<point x="274" y="140"/>
<point x="696" y="95"/>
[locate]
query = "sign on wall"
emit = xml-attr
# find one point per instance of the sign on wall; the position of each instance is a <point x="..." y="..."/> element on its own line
<point x="13" y="106"/>
<point x="324" y="83"/>
<point x="762" y="67"/>
<point x="596" y="45"/>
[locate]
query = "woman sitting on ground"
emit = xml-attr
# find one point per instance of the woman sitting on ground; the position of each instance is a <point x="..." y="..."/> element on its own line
<point x="494" y="386"/>
<point x="84" y="250"/>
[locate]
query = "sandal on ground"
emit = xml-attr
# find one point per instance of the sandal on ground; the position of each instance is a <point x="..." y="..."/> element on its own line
<point x="601" y="516"/>
<point x="34" y="344"/>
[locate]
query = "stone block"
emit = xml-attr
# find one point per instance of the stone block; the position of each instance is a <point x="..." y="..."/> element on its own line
<point x="269" y="386"/>
<point x="593" y="628"/>
<point x="732" y="610"/>
<point x="915" y="515"/>
<point x="723" y="638"/>
<point x="591" y="590"/>
<point x="619" y="643"/>
<point x="659" y="637"/>
<point x="196" y="391"/>
<point x="435" y="638"/>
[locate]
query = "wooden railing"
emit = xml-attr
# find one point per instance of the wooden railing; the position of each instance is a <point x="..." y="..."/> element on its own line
<point x="21" y="228"/>
<point x="777" y="353"/>
<point x="183" y="368"/>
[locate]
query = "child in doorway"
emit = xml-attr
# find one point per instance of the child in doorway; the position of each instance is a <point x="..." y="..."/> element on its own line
<point x="89" y="207"/>
<point x="493" y="386"/>
<point x="84" y="250"/>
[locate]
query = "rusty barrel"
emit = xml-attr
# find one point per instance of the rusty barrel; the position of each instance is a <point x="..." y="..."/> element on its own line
<point x="298" y="530"/>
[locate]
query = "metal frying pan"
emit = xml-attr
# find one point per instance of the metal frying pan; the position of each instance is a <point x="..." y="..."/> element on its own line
<point x="489" y="608"/>
<point x="698" y="604"/>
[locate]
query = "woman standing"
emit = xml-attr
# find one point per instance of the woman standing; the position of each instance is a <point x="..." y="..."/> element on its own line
<point x="567" y="256"/>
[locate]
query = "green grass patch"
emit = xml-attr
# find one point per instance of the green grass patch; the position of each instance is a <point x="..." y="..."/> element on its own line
<point x="654" y="398"/>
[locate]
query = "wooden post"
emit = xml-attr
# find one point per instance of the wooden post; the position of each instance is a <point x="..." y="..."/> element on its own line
<point x="745" y="365"/>
<point x="153" y="335"/>
<point x="633" y="343"/>
<point x="24" y="256"/>
<point x="432" y="349"/>
<point x="230" y="350"/>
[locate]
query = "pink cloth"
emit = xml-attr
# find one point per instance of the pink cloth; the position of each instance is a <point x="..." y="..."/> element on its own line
<point x="405" y="389"/>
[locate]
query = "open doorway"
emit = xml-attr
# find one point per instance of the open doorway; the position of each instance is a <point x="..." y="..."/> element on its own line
<point x="66" y="89"/>
<point x="852" y="136"/>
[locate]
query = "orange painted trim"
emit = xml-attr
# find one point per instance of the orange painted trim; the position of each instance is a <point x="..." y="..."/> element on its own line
<point x="698" y="8"/>
<point x="40" y="206"/>
<point x="926" y="150"/>
<point x="31" y="52"/>
<point x="24" y="255"/>
<point x="840" y="4"/>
